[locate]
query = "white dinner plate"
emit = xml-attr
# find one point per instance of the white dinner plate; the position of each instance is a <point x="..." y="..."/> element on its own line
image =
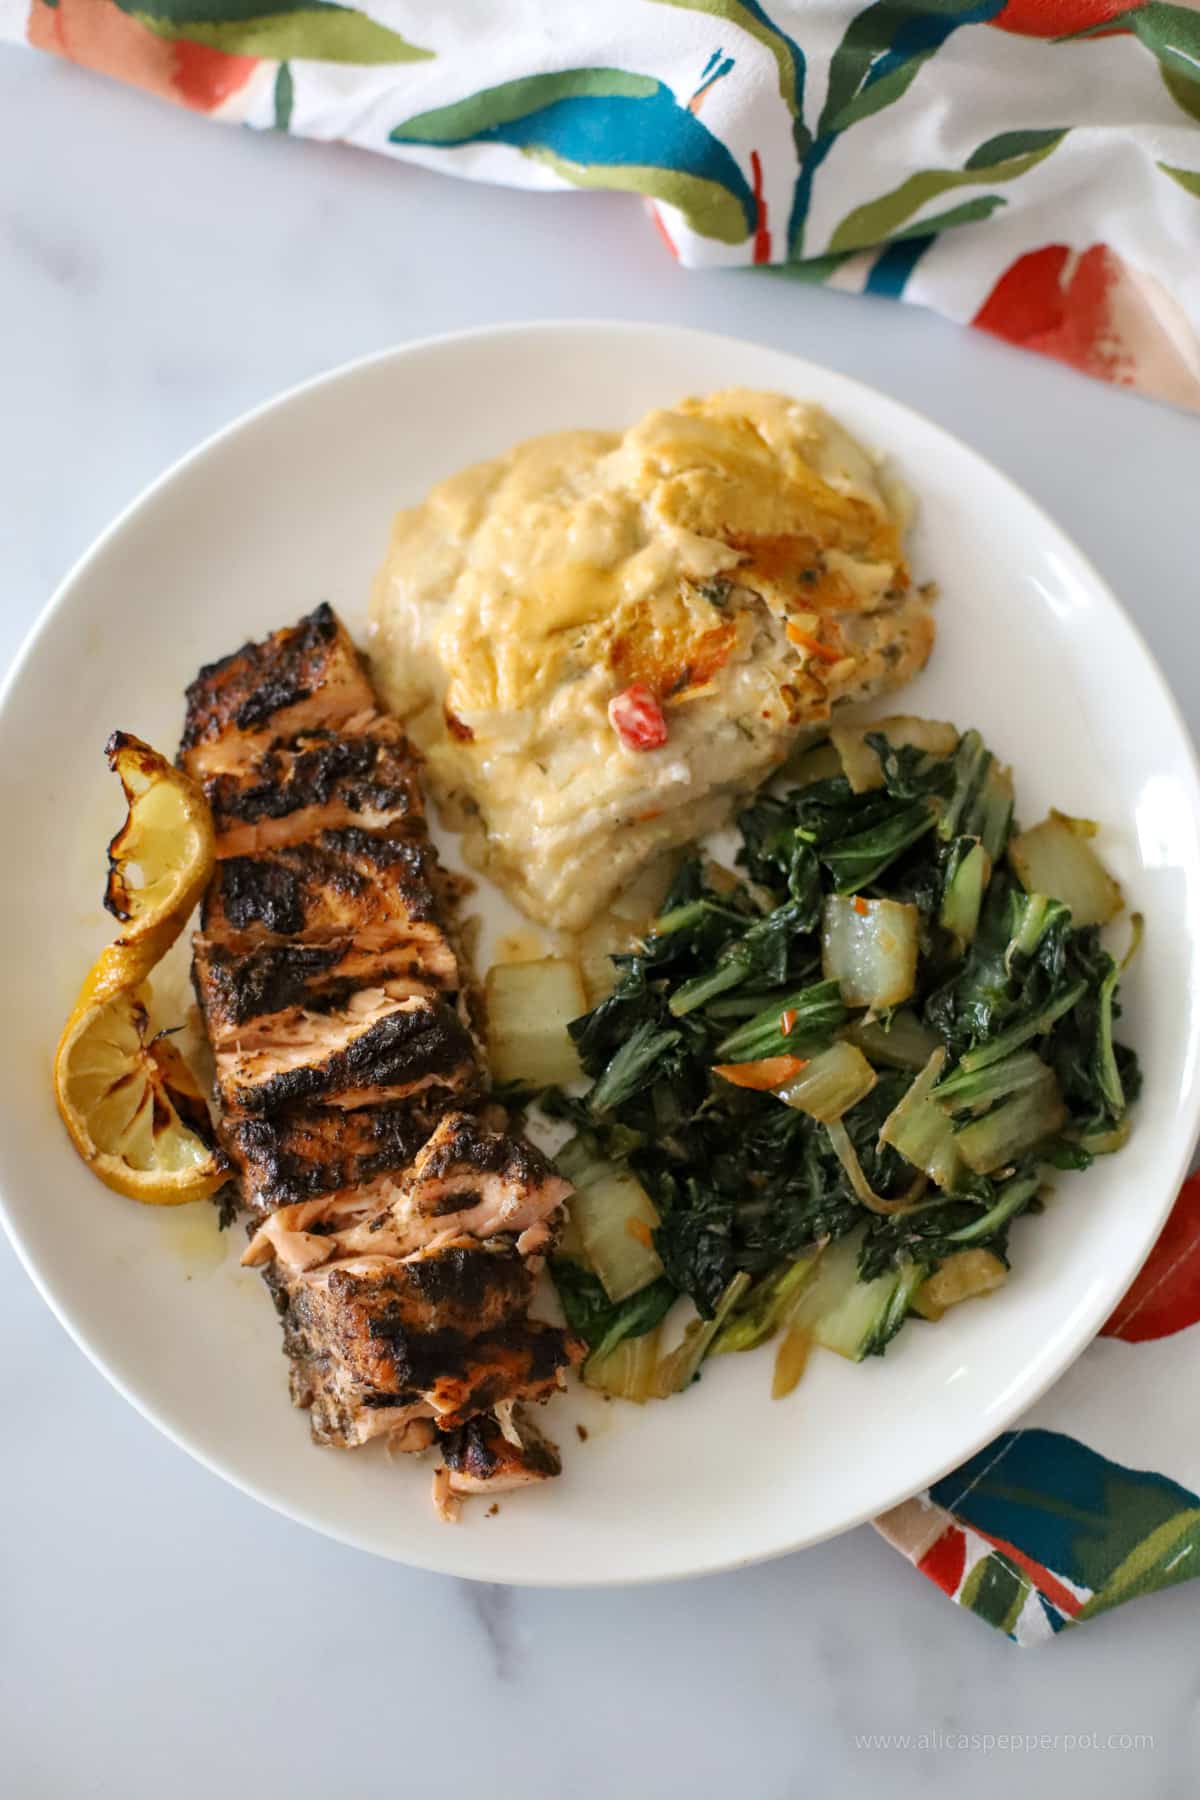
<point x="291" y="506"/>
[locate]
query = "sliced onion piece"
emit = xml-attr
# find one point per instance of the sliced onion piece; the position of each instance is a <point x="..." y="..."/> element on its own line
<point x="791" y="1360"/>
<point x="830" y="1084"/>
<point x="529" y="1006"/>
<point x="921" y="1131"/>
<point x="899" y="1042"/>
<point x="1055" y="858"/>
<point x="627" y="1370"/>
<point x="963" y="1276"/>
<point x="869" y="947"/>
<point x="847" y="1155"/>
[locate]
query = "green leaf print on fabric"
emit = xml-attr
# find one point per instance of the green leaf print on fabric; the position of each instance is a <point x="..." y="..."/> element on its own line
<point x="812" y="270"/>
<point x="1173" y="34"/>
<point x="1183" y="89"/>
<point x="997" y="1590"/>
<point x="316" y="30"/>
<point x="1170" y="1554"/>
<point x="604" y="128"/>
<point x="1188" y="179"/>
<point x="881" y="219"/>
<point x="881" y="53"/>
<point x="1008" y="144"/>
<point x="884" y="50"/>
<point x="708" y="208"/>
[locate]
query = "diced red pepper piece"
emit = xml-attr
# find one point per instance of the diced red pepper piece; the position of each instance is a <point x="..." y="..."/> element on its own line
<point x="767" y="1073"/>
<point x="637" y="718"/>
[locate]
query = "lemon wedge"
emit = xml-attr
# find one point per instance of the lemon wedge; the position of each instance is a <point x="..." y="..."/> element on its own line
<point x="134" y="1110"/>
<point x="160" y="861"/>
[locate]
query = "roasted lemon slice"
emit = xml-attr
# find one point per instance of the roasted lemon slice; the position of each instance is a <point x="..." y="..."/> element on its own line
<point x="160" y="860"/>
<point x="135" y="1112"/>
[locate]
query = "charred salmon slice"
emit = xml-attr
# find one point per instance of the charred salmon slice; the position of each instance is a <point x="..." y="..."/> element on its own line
<point x="311" y="1152"/>
<point x="390" y="1343"/>
<point x="307" y="677"/>
<point x="526" y="1361"/>
<point x="466" y="1184"/>
<point x="368" y="1336"/>
<point x="402" y="1214"/>
<point x="374" y="890"/>
<point x="323" y="781"/>
<point x="479" y="1459"/>
<point x="468" y="1179"/>
<point x="385" y="1313"/>
<point x="399" y="1234"/>
<point x="241" y="994"/>
<point x="374" y="1048"/>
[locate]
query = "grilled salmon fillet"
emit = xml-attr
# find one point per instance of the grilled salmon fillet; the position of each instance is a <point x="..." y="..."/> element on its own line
<point x="400" y="1233"/>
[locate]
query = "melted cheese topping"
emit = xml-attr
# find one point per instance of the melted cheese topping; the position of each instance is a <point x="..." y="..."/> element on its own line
<point x="738" y="554"/>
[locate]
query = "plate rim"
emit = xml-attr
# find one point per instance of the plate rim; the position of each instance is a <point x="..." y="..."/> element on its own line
<point x="1032" y="1390"/>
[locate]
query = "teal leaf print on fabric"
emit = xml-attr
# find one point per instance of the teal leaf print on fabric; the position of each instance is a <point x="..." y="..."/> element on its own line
<point x="316" y="30"/>
<point x="284" y="98"/>
<point x="604" y="128"/>
<point x="789" y="57"/>
<point x="999" y="159"/>
<point x="1074" y="1516"/>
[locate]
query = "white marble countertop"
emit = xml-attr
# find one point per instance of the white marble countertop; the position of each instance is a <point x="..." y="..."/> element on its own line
<point x="161" y="1633"/>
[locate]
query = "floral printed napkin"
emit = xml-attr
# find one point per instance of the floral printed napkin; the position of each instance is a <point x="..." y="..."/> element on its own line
<point x="1031" y="167"/>
<point x="1068" y="1516"/>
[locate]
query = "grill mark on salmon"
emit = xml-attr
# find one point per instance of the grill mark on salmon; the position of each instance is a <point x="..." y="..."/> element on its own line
<point x="235" y="988"/>
<point x="509" y="1188"/>
<point x="370" y="889"/>
<point x="323" y="781"/>
<point x="376" y="1047"/>
<point x="310" y="1153"/>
